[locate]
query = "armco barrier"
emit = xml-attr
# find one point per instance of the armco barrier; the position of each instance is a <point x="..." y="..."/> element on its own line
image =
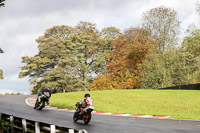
<point x="29" y="126"/>
<point x="183" y="87"/>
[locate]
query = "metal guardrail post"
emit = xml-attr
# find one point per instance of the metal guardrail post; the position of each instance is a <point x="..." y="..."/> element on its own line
<point x="53" y="128"/>
<point x="12" y="124"/>
<point x="24" y="128"/>
<point x="37" y="127"/>
<point x="0" y="115"/>
<point x="71" y="130"/>
<point x="82" y="131"/>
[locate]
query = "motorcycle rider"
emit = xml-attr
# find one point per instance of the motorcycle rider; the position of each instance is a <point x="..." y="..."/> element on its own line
<point x="85" y="103"/>
<point x="46" y="92"/>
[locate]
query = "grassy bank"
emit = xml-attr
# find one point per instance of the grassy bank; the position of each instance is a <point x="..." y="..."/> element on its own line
<point x="180" y="104"/>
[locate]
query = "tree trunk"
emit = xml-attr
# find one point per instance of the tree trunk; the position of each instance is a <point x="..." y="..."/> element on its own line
<point x="63" y="88"/>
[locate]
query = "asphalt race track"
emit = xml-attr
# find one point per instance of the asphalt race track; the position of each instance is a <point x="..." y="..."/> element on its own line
<point x="100" y="123"/>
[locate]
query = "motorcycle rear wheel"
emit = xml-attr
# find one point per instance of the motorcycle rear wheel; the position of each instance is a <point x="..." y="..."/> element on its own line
<point x="87" y="118"/>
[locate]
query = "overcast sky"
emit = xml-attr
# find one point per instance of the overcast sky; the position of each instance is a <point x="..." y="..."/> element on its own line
<point x="23" y="21"/>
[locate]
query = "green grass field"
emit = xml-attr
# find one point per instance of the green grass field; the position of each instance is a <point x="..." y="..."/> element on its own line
<point x="179" y="104"/>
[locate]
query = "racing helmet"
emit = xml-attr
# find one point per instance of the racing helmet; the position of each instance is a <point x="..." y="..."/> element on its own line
<point x="87" y="95"/>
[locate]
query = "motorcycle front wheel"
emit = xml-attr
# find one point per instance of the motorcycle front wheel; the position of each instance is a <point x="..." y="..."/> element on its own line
<point x="75" y="117"/>
<point x="41" y="105"/>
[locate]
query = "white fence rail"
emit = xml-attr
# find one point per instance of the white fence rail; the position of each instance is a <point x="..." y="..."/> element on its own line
<point x="23" y="125"/>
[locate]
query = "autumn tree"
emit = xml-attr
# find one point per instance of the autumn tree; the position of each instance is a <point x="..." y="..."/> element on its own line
<point x="129" y="50"/>
<point x="67" y="58"/>
<point x="88" y="41"/>
<point x="191" y="48"/>
<point x="151" y="70"/>
<point x="163" y="23"/>
<point x="178" y="66"/>
<point x="108" y="35"/>
<point x="186" y="62"/>
<point x="51" y="48"/>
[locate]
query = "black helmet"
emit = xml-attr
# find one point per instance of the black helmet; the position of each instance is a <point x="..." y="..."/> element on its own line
<point x="87" y="95"/>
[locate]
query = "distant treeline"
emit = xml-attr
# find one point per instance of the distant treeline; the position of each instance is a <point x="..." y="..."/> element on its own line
<point x="12" y="94"/>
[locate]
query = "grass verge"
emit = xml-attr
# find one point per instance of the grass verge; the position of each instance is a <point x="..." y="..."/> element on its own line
<point x="179" y="104"/>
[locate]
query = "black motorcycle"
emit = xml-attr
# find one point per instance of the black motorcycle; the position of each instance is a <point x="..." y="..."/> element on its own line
<point x="80" y="114"/>
<point x="40" y="105"/>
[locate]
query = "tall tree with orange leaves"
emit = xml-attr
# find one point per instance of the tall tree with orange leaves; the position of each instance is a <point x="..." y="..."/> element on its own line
<point x="129" y="50"/>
